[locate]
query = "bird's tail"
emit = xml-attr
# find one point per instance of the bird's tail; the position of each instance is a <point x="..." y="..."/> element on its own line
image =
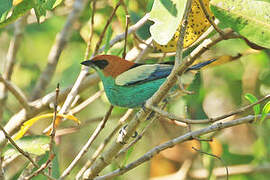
<point x="201" y="65"/>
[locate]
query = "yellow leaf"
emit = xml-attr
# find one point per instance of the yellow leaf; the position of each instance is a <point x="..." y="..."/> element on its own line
<point x="32" y="121"/>
<point x="216" y="147"/>
<point x="197" y="25"/>
<point x="16" y="2"/>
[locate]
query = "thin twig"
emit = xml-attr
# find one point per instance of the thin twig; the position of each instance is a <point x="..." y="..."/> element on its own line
<point x="85" y="103"/>
<point x="219" y="158"/>
<point x="16" y="91"/>
<point x="88" y="144"/>
<point x="14" y="46"/>
<point x="41" y="169"/>
<point x="25" y="154"/>
<point x="91" y="33"/>
<point x="102" y="146"/>
<point x="52" y="135"/>
<point x="147" y="156"/>
<point x="126" y="34"/>
<point x="209" y="120"/>
<point x="209" y="18"/>
<point x="57" y="48"/>
<point x="101" y="36"/>
<point x="234" y="170"/>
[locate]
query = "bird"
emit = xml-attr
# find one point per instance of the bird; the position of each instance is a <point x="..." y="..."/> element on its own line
<point x="128" y="84"/>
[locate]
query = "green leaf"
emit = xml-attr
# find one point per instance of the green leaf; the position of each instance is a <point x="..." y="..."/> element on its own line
<point x="107" y="39"/>
<point x="250" y="18"/>
<point x="36" y="145"/>
<point x="18" y="11"/>
<point x="252" y="99"/>
<point x="5" y="6"/>
<point x="170" y="6"/>
<point x="55" y="165"/>
<point x="265" y="110"/>
<point x="42" y="6"/>
<point x="166" y="24"/>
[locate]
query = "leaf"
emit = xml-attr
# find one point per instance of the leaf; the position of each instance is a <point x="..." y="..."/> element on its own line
<point x="42" y="6"/>
<point x="170" y="6"/>
<point x="16" y="2"/>
<point x="252" y="99"/>
<point x="165" y="23"/>
<point x="55" y="165"/>
<point x="18" y="11"/>
<point x="36" y="145"/>
<point x="250" y="18"/>
<point x="107" y="39"/>
<point x="5" y="6"/>
<point x="32" y="121"/>
<point x="265" y="110"/>
<point x="197" y="25"/>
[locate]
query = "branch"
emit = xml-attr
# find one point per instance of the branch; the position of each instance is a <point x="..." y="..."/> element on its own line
<point x="41" y="105"/>
<point x="101" y="36"/>
<point x="108" y="156"/>
<point x="16" y="92"/>
<point x="147" y="156"/>
<point x="25" y="154"/>
<point x="102" y="146"/>
<point x="57" y="48"/>
<point x="11" y="58"/>
<point x="205" y="121"/>
<point x="86" y="147"/>
<point x="234" y="170"/>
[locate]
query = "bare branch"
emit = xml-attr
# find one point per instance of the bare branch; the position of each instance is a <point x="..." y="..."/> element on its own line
<point x="205" y="121"/>
<point x="11" y="58"/>
<point x="102" y="146"/>
<point x="106" y="27"/>
<point x="90" y="37"/>
<point x="209" y="18"/>
<point x="88" y="144"/>
<point x="234" y="170"/>
<point x="147" y="156"/>
<point x="57" y="48"/>
<point x="16" y="92"/>
<point x="25" y="154"/>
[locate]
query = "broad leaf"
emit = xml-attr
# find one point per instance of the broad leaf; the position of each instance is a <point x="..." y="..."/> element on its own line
<point x="197" y="25"/>
<point x="250" y="18"/>
<point x="5" y="5"/>
<point x="165" y="23"/>
<point x="36" y="145"/>
<point x="18" y="11"/>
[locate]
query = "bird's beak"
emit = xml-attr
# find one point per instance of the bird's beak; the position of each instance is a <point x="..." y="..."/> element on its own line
<point x="87" y="63"/>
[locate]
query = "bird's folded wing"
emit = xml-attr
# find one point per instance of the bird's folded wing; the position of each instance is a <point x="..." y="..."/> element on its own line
<point x="143" y="73"/>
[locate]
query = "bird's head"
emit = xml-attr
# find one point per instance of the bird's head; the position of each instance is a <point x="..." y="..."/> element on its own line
<point x="109" y="65"/>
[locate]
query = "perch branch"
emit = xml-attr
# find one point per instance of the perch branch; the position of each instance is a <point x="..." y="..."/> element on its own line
<point x="147" y="156"/>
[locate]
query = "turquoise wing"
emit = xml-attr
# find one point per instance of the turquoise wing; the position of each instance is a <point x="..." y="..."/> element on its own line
<point x="143" y="73"/>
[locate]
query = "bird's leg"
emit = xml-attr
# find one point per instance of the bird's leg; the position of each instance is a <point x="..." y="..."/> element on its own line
<point x="123" y="132"/>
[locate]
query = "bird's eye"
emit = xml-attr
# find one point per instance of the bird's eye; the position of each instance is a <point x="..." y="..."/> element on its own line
<point x="101" y="63"/>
